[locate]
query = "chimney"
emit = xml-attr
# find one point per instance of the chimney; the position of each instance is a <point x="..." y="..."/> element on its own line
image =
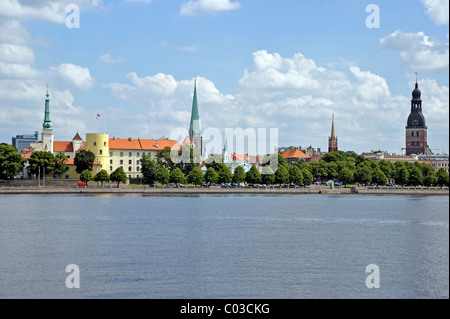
<point x="157" y="144"/>
<point x="129" y="139"/>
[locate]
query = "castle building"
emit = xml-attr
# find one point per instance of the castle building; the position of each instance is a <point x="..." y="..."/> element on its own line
<point x="416" y="128"/>
<point x="195" y="130"/>
<point x="332" y="140"/>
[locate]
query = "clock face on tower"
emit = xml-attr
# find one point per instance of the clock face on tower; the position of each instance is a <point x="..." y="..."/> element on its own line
<point x="415" y="122"/>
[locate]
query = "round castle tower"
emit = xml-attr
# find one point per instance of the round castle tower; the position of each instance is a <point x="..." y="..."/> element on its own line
<point x="98" y="143"/>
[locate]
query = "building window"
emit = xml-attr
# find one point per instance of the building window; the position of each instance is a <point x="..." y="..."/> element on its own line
<point x="121" y="162"/>
<point x="66" y="176"/>
<point x="418" y="134"/>
<point x="110" y="162"/>
<point x="130" y="154"/>
<point x="129" y="168"/>
<point x="110" y="168"/>
<point x="101" y="152"/>
<point x="138" y="154"/>
<point x="412" y="144"/>
<point x="417" y="144"/>
<point x="130" y="162"/>
<point x="412" y="133"/>
<point x="137" y="169"/>
<point x="104" y="143"/>
<point x="111" y="154"/>
<point x="143" y="153"/>
<point x="95" y="143"/>
<point x="137" y="162"/>
<point x="121" y="154"/>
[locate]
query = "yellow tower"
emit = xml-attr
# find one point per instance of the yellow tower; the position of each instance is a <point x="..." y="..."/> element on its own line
<point x="98" y="144"/>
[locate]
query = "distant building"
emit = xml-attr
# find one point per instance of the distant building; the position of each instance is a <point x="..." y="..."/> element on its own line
<point x="332" y="140"/>
<point x="436" y="160"/>
<point x="292" y="155"/>
<point x="21" y="142"/>
<point x="416" y="128"/>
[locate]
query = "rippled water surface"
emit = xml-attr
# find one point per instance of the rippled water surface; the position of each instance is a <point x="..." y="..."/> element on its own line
<point x="250" y="246"/>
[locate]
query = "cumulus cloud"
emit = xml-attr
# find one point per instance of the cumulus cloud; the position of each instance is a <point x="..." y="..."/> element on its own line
<point x="418" y="51"/>
<point x="198" y="7"/>
<point x="48" y="10"/>
<point x="108" y="59"/>
<point x="438" y="10"/>
<point x="76" y="76"/>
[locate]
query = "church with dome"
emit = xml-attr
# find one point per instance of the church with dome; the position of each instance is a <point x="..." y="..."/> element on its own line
<point x="416" y="128"/>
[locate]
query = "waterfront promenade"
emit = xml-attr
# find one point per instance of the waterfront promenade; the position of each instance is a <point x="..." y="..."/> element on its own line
<point x="219" y="190"/>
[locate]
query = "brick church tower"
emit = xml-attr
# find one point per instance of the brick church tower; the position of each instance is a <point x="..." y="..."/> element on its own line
<point x="416" y="128"/>
<point x="332" y="140"/>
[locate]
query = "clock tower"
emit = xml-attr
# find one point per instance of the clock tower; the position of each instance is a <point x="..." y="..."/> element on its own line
<point x="416" y="128"/>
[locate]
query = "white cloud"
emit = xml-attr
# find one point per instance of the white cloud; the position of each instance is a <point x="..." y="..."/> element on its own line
<point x="418" y="51"/>
<point x="48" y="10"/>
<point x="198" y="7"/>
<point x="192" y="48"/>
<point x="108" y="59"/>
<point x="76" y="76"/>
<point x="438" y="10"/>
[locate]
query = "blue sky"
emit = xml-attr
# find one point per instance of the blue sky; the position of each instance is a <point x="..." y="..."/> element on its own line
<point x="287" y="64"/>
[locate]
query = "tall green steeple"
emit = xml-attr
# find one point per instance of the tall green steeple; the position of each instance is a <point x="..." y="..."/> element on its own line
<point x="47" y="122"/>
<point x="195" y="127"/>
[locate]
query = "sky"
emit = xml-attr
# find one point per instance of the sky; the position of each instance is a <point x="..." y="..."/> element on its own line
<point x="259" y="64"/>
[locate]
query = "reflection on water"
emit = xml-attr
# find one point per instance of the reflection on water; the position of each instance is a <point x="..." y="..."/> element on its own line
<point x="224" y="246"/>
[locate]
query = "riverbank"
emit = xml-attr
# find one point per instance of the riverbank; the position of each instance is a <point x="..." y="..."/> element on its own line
<point x="206" y="190"/>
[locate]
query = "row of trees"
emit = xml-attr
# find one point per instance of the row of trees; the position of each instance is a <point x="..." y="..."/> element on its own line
<point x="345" y="167"/>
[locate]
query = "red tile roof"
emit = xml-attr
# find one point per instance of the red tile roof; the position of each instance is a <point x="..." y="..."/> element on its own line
<point x="294" y="153"/>
<point x="62" y="147"/>
<point x="138" y="144"/>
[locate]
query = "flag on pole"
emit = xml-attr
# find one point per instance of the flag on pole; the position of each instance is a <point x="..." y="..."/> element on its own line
<point x="98" y="115"/>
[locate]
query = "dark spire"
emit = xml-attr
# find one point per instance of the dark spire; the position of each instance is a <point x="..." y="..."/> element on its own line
<point x="195" y="129"/>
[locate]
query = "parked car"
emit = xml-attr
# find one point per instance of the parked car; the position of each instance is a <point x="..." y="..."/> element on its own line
<point x="337" y="184"/>
<point x="80" y="183"/>
<point x="170" y="185"/>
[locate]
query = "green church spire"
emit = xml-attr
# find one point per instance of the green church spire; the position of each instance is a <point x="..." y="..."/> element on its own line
<point x="195" y="127"/>
<point x="47" y="122"/>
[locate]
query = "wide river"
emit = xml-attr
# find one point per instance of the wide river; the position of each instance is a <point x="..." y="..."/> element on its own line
<point x="228" y="246"/>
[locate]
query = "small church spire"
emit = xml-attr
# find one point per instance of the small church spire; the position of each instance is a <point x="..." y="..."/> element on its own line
<point x="47" y="122"/>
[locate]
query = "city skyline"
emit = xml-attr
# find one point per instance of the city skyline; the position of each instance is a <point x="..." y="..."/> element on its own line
<point x="281" y="75"/>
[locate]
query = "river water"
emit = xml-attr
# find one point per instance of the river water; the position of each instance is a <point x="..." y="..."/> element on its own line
<point x="224" y="246"/>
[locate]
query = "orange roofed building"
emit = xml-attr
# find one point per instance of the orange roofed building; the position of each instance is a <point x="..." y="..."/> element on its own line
<point x="112" y="153"/>
<point x="293" y="154"/>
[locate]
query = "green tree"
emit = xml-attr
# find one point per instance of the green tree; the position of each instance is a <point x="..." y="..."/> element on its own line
<point x="307" y="176"/>
<point x="195" y="176"/>
<point x="225" y="175"/>
<point x="401" y="175"/>
<point x="267" y="176"/>
<point x="442" y="177"/>
<point x="163" y="175"/>
<point x="211" y="176"/>
<point x="415" y="176"/>
<point x="102" y="176"/>
<point x="387" y="168"/>
<point x="163" y="158"/>
<point x="11" y="161"/>
<point x="429" y="174"/>
<point x="118" y="176"/>
<point x="295" y="175"/>
<point x="282" y="161"/>
<point x="332" y="170"/>
<point x="282" y="175"/>
<point x="379" y="177"/>
<point x="363" y="174"/>
<point x="177" y="176"/>
<point x="61" y="164"/>
<point x="253" y="176"/>
<point x="84" y="160"/>
<point x="86" y="176"/>
<point x="42" y="161"/>
<point x="334" y="157"/>
<point x="239" y="175"/>
<point x="346" y="176"/>
<point x="149" y="169"/>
